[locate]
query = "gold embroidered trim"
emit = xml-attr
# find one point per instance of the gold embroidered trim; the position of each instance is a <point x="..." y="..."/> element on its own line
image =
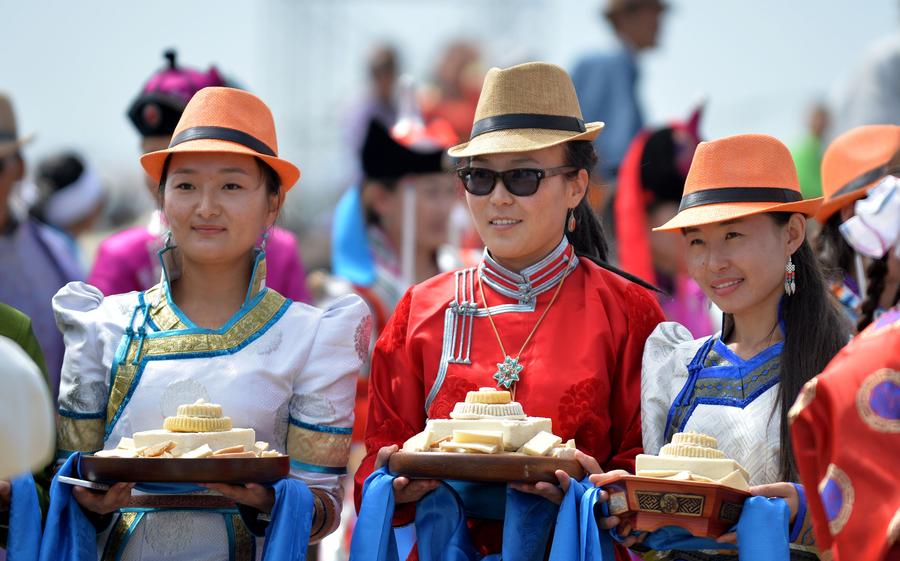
<point x="117" y="540"/>
<point x="842" y="480"/>
<point x="318" y="448"/>
<point x="864" y="400"/>
<point x="79" y="435"/>
<point x="243" y="539"/>
<point x="161" y="344"/>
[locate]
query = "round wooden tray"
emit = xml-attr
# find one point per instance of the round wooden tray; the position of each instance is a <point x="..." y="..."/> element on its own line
<point x="489" y="468"/>
<point x="185" y="470"/>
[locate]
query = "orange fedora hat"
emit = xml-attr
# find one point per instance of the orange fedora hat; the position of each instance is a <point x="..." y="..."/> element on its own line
<point x="854" y="162"/>
<point x="739" y="176"/>
<point x="225" y="120"/>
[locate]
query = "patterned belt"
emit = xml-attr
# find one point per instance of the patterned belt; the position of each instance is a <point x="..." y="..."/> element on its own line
<point x="182" y="501"/>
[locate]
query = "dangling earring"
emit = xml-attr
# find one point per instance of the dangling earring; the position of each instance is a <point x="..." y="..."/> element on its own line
<point x="265" y="239"/>
<point x="169" y="244"/>
<point x="572" y="222"/>
<point x="790" y="287"/>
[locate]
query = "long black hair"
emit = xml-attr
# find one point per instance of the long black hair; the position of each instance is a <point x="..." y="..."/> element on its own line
<point x="815" y="329"/>
<point x="835" y="254"/>
<point x="875" y="274"/>
<point x="588" y="238"/>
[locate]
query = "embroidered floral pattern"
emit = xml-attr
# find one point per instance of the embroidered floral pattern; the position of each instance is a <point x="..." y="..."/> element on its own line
<point x="362" y="338"/>
<point x="578" y="414"/>
<point x="878" y="401"/>
<point x="453" y="390"/>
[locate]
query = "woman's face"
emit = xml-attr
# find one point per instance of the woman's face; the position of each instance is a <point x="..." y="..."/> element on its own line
<point x="519" y="231"/>
<point x="435" y="195"/>
<point x="217" y="205"/>
<point x="740" y="263"/>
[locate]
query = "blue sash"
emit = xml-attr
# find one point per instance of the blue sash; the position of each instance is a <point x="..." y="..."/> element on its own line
<point x="443" y="536"/>
<point x="24" y="541"/>
<point x="69" y="535"/>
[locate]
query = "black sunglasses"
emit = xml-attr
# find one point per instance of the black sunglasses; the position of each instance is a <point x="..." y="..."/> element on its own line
<point x="521" y="182"/>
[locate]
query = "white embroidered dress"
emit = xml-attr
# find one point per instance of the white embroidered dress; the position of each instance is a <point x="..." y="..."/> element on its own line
<point x="285" y="369"/>
<point x="732" y="399"/>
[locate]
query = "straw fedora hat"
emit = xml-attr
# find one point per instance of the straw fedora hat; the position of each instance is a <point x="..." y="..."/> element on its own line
<point x="523" y="108"/>
<point x="225" y="120"/>
<point x="10" y="142"/>
<point x="854" y="162"/>
<point x="739" y="176"/>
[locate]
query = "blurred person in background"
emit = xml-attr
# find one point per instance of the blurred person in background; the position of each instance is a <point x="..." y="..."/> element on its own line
<point x="651" y="180"/>
<point x="378" y="102"/>
<point x="871" y="94"/>
<point x="15" y="327"/>
<point x="846" y="421"/>
<point x="127" y="261"/>
<point x="852" y="164"/>
<point x="607" y="81"/>
<point x="457" y="84"/>
<point x="808" y="152"/>
<point x="71" y="195"/>
<point x="36" y="260"/>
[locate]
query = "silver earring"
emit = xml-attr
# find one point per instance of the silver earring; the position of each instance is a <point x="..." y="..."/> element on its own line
<point x="265" y="240"/>
<point x="790" y="286"/>
<point x="572" y="222"/>
<point x="169" y="243"/>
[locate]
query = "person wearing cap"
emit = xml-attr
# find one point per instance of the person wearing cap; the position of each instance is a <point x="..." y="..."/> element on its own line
<point x="508" y="322"/>
<point x="845" y="423"/>
<point x="607" y="82"/>
<point x="126" y="260"/>
<point x="72" y="196"/>
<point x="213" y="329"/>
<point x="743" y="220"/>
<point x="36" y="259"/>
<point x="651" y="179"/>
<point x="852" y="164"/>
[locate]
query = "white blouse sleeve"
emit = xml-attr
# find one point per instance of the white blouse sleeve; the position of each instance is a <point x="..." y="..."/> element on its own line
<point x="668" y="351"/>
<point x="83" y="389"/>
<point x="321" y="411"/>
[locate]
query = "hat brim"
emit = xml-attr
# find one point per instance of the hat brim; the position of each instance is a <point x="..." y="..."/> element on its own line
<point x="711" y="214"/>
<point x="831" y="206"/>
<point x="153" y="162"/>
<point x="520" y="140"/>
<point x="12" y="146"/>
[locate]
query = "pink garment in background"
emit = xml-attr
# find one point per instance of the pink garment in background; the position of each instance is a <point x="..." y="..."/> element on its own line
<point x="689" y="307"/>
<point x="127" y="261"/>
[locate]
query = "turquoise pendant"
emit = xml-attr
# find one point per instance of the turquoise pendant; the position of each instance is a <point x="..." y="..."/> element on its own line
<point x="508" y="372"/>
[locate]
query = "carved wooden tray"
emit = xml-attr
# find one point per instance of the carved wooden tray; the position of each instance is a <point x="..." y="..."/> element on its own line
<point x="489" y="468"/>
<point x="185" y="470"/>
<point x="704" y="509"/>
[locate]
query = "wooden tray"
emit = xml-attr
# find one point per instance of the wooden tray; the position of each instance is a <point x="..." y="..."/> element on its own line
<point x="185" y="470"/>
<point x="706" y="510"/>
<point x="488" y="468"/>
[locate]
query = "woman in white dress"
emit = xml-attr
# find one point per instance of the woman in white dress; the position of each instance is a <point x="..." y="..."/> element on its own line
<point x="211" y="329"/>
<point x="744" y="222"/>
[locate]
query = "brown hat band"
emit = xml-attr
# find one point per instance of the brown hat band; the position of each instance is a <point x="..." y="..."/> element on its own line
<point x="867" y="178"/>
<point x="222" y="133"/>
<point x="526" y="121"/>
<point x="739" y="195"/>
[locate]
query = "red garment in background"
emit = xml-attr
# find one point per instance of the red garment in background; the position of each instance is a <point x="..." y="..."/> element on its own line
<point x="846" y="437"/>
<point x="582" y="368"/>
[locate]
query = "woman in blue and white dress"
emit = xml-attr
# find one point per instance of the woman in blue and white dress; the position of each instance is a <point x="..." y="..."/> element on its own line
<point x="211" y="329"/>
<point x="744" y="222"/>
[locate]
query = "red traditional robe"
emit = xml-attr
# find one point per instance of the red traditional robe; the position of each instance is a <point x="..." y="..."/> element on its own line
<point x="582" y="367"/>
<point x="846" y="434"/>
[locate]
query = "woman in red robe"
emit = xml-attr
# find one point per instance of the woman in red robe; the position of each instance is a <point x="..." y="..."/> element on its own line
<point x="542" y="315"/>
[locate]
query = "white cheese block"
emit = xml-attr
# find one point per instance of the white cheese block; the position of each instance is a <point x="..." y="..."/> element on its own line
<point x="479" y="437"/>
<point x="735" y="480"/>
<point x="712" y="468"/>
<point x="515" y="433"/>
<point x="451" y="446"/>
<point x="541" y="444"/>
<point x="125" y="443"/>
<point x="418" y="442"/>
<point x="186" y="441"/>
